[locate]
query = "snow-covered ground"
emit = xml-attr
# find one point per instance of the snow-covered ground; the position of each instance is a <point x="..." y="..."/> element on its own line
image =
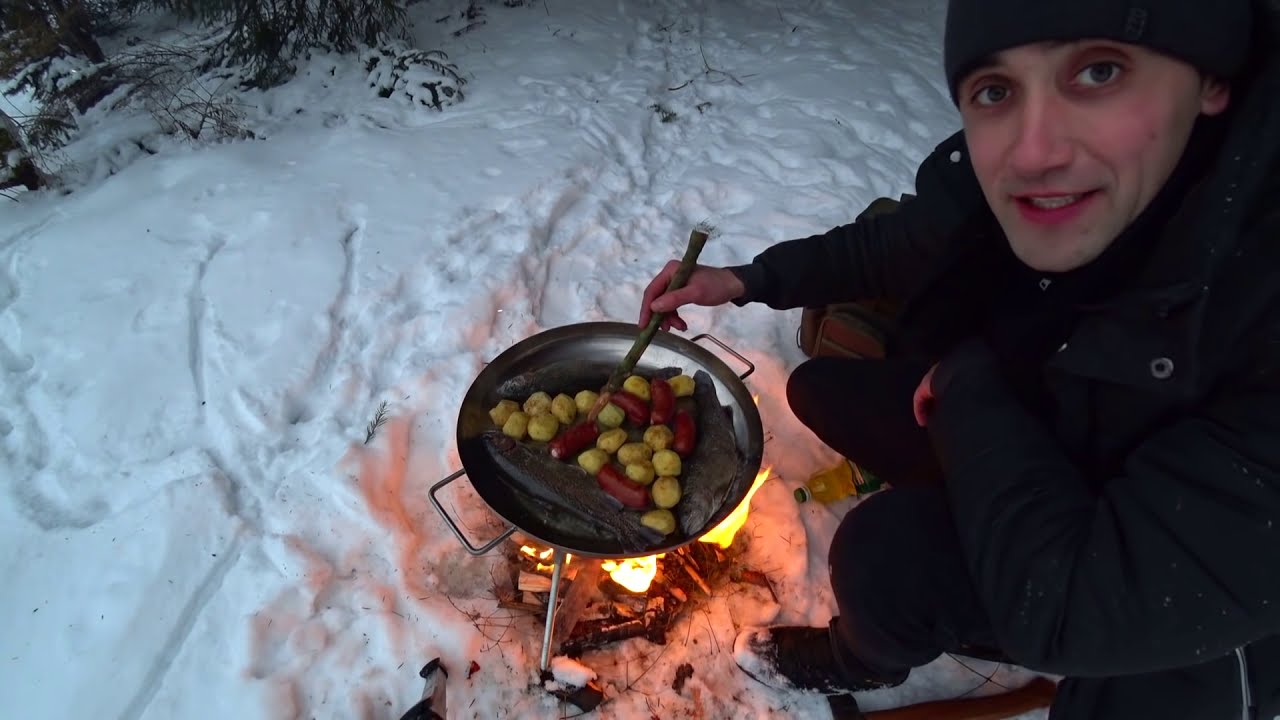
<point x="191" y="349"/>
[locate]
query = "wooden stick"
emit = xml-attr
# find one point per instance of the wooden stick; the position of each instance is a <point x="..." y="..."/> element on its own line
<point x="533" y="582"/>
<point x="595" y="634"/>
<point x="693" y="574"/>
<point x="1034" y="695"/>
<point x="697" y="239"/>
<point x="520" y="605"/>
<point x="575" y="601"/>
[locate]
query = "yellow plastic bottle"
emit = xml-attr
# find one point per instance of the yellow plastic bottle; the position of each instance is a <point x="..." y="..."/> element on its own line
<point x="836" y="483"/>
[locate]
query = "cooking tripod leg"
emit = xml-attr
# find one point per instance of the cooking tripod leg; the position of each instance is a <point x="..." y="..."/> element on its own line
<point x="551" y="608"/>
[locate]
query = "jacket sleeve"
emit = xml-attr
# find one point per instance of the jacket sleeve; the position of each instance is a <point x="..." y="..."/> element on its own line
<point x="880" y="256"/>
<point x="1174" y="563"/>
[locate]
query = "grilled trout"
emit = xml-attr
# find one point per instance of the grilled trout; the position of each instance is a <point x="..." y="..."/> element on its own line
<point x="712" y="471"/>
<point x="569" y="487"/>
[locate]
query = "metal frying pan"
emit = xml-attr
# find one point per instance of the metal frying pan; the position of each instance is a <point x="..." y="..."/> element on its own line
<point x="602" y="341"/>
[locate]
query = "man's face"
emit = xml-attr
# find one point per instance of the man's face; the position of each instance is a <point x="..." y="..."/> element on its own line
<point x="1071" y="141"/>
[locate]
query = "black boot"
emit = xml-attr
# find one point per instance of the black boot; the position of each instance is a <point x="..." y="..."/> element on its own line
<point x="804" y="659"/>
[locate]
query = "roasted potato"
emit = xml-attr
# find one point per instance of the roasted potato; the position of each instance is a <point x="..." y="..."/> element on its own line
<point x="500" y="412"/>
<point x="611" y="416"/>
<point x="659" y="437"/>
<point x="638" y="386"/>
<point x="543" y="427"/>
<point x="585" y="400"/>
<point x="666" y="462"/>
<point x="592" y="460"/>
<point x="681" y="385"/>
<point x="516" y="425"/>
<point x="634" y="452"/>
<point x="641" y="472"/>
<point x="565" y="409"/>
<point x="610" y="440"/>
<point x="536" y="404"/>
<point x="661" y="520"/>
<point x="665" y="491"/>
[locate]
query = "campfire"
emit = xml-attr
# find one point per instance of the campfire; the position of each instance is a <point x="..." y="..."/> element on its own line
<point x="602" y="602"/>
<point x="602" y="594"/>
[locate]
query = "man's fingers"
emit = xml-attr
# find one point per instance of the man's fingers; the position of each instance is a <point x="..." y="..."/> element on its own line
<point x="655" y="288"/>
<point x="658" y="284"/>
<point x="672" y="301"/>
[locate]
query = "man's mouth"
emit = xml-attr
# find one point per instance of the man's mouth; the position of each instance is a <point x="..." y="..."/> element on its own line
<point x="1053" y="203"/>
<point x="1053" y="208"/>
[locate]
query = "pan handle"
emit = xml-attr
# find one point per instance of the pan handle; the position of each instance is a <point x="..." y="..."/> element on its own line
<point x="454" y="526"/>
<point x="750" y="367"/>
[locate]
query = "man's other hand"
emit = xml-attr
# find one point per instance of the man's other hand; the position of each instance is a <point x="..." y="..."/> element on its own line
<point x="922" y="402"/>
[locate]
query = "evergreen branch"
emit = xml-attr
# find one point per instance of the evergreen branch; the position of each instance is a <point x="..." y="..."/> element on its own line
<point x="379" y="419"/>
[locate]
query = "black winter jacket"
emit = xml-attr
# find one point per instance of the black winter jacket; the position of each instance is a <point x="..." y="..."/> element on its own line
<point x="1130" y="539"/>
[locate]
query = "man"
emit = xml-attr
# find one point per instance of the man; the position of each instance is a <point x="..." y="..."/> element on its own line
<point x="1079" y="418"/>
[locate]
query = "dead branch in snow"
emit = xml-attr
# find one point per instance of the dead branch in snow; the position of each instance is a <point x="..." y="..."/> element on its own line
<point x="707" y="70"/>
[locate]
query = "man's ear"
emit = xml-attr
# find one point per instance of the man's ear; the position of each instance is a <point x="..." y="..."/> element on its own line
<point x="1214" y="95"/>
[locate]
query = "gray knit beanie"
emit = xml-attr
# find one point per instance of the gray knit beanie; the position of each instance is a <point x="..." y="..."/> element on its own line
<point x="1211" y="36"/>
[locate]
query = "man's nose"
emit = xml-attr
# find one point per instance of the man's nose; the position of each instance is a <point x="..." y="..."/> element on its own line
<point x="1042" y="142"/>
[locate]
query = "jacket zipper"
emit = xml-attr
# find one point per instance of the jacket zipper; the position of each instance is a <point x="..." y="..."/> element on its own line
<point x="1246" y="696"/>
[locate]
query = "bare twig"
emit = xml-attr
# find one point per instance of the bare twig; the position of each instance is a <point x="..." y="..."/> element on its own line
<point x="710" y="629"/>
<point x="707" y="70"/>
<point x="484" y="624"/>
<point x="657" y="660"/>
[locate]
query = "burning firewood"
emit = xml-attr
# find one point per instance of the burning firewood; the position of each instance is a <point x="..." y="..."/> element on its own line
<point x="575" y="601"/>
<point x="532" y="582"/>
<point x="597" y="634"/>
<point x="614" y="601"/>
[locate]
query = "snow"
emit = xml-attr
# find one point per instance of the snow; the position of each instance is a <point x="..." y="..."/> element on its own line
<point x="570" y="672"/>
<point x="193" y="342"/>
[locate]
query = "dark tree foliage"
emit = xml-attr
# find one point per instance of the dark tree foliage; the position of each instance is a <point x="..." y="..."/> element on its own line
<point x="53" y="50"/>
<point x="266" y="35"/>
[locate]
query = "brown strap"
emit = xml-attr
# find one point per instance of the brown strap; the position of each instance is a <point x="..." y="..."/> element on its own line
<point x="857" y="330"/>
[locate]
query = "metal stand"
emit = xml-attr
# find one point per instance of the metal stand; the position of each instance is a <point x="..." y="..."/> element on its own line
<point x="558" y="566"/>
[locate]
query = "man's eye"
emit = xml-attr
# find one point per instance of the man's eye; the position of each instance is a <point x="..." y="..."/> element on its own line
<point x="990" y="94"/>
<point x="1098" y="74"/>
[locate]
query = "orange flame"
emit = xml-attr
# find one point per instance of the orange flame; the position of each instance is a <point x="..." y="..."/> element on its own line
<point x="723" y="533"/>
<point x="634" y="574"/>
<point x="544" y="555"/>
